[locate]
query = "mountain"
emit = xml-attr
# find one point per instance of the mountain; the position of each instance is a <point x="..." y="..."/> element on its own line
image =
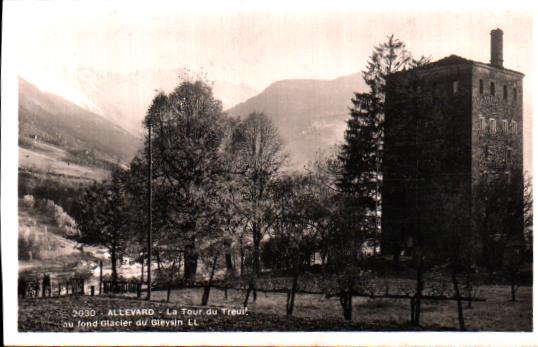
<point x="51" y="119"/>
<point x="310" y="114"/>
<point x="124" y="98"/>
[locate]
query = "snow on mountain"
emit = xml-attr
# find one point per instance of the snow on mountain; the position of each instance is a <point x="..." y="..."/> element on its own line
<point x="122" y="98"/>
<point x="63" y="83"/>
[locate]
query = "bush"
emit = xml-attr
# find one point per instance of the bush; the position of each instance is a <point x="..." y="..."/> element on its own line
<point x="46" y="206"/>
<point x="66" y="224"/>
<point x="63" y="193"/>
<point x="29" y="244"/>
<point x="28" y="201"/>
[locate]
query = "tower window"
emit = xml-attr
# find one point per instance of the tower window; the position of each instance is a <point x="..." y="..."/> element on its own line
<point x="508" y="155"/>
<point x="508" y="177"/>
<point x="492" y="88"/>
<point x="513" y="127"/>
<point x="492" y="126"/>
<point x="515" y="94"/>
<point x="455" y="87"/>
<point x="481" y="86"/>
<point x="482" y="125"/>
<point x="505" y="126"/>
<point x="486" y="152"/>
<point x="505" y="92"/>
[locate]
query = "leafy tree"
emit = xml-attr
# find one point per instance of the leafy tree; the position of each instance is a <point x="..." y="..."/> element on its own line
<point x="500" y="217"/>
<point x="104" y="215"/>
<point x="296" y="226"/>
<point x="503" y="220"/>
<point x="188" y="171"/>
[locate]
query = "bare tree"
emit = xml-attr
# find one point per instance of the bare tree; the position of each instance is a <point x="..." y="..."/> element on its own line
<point x="256" y="150"/>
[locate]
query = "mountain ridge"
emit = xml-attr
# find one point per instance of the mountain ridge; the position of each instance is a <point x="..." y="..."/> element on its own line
<point x="310" y="114"/>
<point x="124" y="98"/>
<point x="52" y="119"/>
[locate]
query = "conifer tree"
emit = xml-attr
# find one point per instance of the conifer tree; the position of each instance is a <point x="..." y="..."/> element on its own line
<point x="360" y="157"/>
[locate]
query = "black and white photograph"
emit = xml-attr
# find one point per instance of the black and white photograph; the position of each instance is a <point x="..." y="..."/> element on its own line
<point x="226" y="167"/>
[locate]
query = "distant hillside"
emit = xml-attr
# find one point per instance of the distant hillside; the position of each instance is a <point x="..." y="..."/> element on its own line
<point x="51" y="119"/>
<point x="124" y="98"/>
<point x="310" y="114"/>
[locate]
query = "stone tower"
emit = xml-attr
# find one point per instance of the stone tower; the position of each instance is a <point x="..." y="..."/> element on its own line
<point x="450" y="126"/>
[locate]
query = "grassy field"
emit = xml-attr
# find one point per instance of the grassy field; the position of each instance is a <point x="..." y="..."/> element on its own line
<point x="55" y="314"/>
<point x="45" y="158"/>
<point x="312" y="313"/>
<point x="496" y="314"/>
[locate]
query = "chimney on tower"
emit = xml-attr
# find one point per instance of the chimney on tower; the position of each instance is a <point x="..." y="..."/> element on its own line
<point x="497" y="48"/>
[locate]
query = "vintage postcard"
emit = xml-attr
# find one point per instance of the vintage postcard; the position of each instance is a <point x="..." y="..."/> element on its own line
<point x="235" y="172"/>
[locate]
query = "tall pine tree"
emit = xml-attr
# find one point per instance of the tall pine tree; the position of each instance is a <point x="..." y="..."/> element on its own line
<point x="360" y="157"/>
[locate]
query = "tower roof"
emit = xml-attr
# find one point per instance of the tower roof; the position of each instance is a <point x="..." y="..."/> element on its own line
<point x="457" y="60"/>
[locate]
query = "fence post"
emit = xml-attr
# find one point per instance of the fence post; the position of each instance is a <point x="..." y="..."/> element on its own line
<point x="92" y="290"/>
<point x="138" y="290"/>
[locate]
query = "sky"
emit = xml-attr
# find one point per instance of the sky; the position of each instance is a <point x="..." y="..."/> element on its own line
<point x="232" y="42"/>
<point x="255" y="47"/>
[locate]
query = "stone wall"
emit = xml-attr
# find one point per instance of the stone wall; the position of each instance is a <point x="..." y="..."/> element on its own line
<point x="427" y="154"/>
<point x="489" y="149"/>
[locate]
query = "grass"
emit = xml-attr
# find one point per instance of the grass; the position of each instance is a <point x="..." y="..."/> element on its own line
<point x="496" y="314"/>
<point x="312" y="312"/>
<point x="54" y="314"/>
<point x="48" y="159"/>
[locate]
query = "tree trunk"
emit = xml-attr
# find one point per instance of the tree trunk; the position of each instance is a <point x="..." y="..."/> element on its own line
<point x="256" y="249"/>
<point x="513" y="287"/>
<point x="469" y="285"/>
<point x="458" y="300"/>
<point x="142" y="271"/>
<point x="190" y="263"/>
<point x="291" y="295"/>
<point x="100" y="278"/>
<point x="412" y="302"/>
<point x="418" y="293"/>
<point x="170" y="281"/>
<point x="255" y="258"/>
<point x="113" y="259"/>
<point x="346" y="302"/>
<point x="228" y="257"/>
<point x="251" y="288"/>
<point x="248" y="294"/>
<point x="242" y="261"/>
<point x="207" y="288"/>
<point x="229" y="263"/>
<point x="190" y="267"/>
